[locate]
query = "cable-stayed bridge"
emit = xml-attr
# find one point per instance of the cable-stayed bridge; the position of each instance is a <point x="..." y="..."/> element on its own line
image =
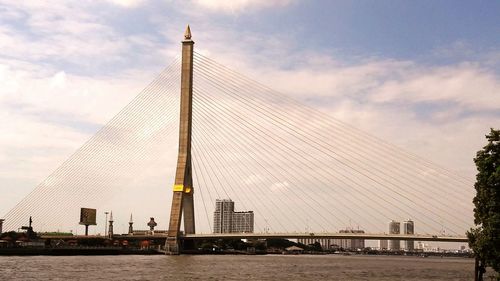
<point x="299" y="170"/>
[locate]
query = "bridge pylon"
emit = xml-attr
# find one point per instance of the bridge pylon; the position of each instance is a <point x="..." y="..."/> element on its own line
<point x="182" y="200"/>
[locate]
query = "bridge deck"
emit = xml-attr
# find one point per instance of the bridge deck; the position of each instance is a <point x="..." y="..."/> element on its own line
<point x="365" y="236"/>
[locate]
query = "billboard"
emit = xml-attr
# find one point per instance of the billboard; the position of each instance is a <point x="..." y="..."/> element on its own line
<point x="88" y="216"/>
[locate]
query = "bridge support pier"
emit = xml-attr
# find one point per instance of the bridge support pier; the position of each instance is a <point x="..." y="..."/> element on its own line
<point x="172" y="246"/>
<point x="182" y="199"/>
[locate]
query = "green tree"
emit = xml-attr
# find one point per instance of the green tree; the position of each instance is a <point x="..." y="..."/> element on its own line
<point x="485" y="238"/>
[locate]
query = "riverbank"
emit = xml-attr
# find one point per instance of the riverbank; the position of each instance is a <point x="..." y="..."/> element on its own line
<point x="75" y="251"/>
<point x="96" y="251"/>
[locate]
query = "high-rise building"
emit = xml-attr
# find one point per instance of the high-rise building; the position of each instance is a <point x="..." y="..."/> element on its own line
<point x="1" y="225"/>
<point x="226" y="220"/>
<point x="394" y="228"/>
<point x="409" y="229"/>
<point x="223" y="215"/>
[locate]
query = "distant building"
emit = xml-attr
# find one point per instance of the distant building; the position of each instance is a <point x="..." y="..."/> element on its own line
<point x="148" y="232"/>
<point x="356" y="243"/>
<point x="409" y="229"/>
<point x="242" y="222"/>
<point x="383" y="244"/>
<point x="110" y="227"/>
<point x="223" y="216"/>
<point x="394" y="228"/>
<point x="325" y="243"/>
<point x="1" y="225"/>
<point x="226" y="220"/>
<point x="131" y="226"/>
<point x="421" y="246"/>
<point x="351" y="244"/>
<point x="152" y="224"/>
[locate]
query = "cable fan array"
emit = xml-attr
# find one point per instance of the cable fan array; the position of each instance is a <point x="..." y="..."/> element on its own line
<point x="298" y="169"/>
<point x="302" y="170"/>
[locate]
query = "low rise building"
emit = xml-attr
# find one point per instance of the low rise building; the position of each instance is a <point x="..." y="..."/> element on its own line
<point x="326" y="243"/>
<point x="347" y="244"/>
<point x="351" y="244"/>
<point x="383" y="244"/>
<point x="242" y="222"/>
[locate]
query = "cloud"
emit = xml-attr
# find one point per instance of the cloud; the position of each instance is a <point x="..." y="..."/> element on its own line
<point x="78" y="37"/>
<point x="126" y="3"/>
<point x="237" y="6"/>
<point x="466" y="86"/>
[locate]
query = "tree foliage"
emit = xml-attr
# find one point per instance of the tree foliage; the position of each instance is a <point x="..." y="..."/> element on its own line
<point x="279" y="243"/>
<point x="485" y="238"/>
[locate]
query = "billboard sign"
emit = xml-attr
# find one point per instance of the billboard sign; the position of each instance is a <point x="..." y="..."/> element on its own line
<point x="88" y="216"/>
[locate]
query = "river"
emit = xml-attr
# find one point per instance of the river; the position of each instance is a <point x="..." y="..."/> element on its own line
<point x="229" y="267"/>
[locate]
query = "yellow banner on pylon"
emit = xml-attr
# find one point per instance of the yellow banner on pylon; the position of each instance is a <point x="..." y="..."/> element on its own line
<point x="178" y="187"/>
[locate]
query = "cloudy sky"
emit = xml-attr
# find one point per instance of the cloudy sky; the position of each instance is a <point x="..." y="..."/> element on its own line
<point x="423" y="75"/>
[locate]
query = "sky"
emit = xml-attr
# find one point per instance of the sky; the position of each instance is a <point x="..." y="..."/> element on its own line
<point x="423" y="75"/>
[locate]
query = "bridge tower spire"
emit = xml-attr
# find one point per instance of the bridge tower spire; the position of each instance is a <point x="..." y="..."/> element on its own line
<point x="182" y="200"/>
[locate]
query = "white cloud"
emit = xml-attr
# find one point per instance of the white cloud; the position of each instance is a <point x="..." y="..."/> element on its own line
<point x="58" y="34"/>
<point x="76" y="35"/>
<point x="237" y="6"/>
<point x="467" y="86"/>
<point x="58" y="80"/>
<point x="126" y="3"/>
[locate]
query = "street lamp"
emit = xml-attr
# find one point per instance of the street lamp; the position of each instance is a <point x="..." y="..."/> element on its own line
<point x="105" y="222"/>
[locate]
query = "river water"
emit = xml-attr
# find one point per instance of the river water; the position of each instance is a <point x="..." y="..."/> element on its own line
<point x="229" y="267"/>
